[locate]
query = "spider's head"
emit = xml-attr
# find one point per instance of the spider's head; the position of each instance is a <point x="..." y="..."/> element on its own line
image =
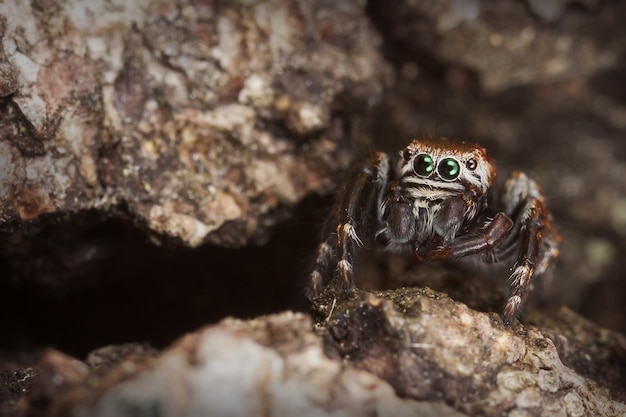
<point x="423" y="200"/>
<point x="445" y="166"/>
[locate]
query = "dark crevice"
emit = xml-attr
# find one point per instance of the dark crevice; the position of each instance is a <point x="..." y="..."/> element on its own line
<point x="87" y="281"/>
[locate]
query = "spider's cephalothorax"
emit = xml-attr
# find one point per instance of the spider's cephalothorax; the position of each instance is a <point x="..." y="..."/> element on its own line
<point x="436" y="200"/>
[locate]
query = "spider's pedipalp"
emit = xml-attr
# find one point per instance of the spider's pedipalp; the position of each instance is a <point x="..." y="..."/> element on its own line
<point x="490" y="235"/>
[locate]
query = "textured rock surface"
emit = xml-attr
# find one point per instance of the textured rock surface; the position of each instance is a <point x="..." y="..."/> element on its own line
<point x="269" y="366"/>
<point x="204" y="119"/>
<point x="426" y="346"/>
<point x="409" y="351"/>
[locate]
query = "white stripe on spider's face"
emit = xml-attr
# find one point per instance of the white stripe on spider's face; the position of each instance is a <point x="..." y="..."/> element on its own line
<point x="425" y="188"/>
<point x="474" y="166"/>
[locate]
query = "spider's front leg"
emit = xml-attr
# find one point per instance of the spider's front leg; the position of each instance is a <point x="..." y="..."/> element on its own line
<point x="357" y="205"/>
<point x="525" y="230"/>
<point x="490" y="235"/>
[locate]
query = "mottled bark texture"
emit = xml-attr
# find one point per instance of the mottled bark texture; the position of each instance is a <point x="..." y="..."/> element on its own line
<point x="205" y="120"/>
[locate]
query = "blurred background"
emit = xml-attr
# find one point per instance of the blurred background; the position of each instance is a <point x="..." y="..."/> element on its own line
<point x="541" y="85"/>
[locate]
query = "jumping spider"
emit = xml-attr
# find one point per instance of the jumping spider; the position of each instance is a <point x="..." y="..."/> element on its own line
<point x="436" y="200"/>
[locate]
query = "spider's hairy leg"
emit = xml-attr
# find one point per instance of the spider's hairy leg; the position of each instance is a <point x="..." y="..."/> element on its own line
<point x="357" y="205"/>
<point x="325" y="252"/>
<point x="533" y="217"/>
<point x="539" y="241"/>
<point x="550" y="249"/>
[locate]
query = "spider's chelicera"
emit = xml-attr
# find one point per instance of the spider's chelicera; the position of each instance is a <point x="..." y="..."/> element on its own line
<point x="437" y="200"/>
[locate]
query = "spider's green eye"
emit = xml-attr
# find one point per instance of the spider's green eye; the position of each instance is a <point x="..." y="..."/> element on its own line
<point x="449" y="169"/>
<point x="423" y="165"/>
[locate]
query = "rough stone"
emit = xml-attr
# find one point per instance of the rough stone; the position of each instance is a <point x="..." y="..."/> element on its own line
<point x="205" y="121"/>
<point x="269" y="366"/>
<point x="442" y="349"/>
<point x="368" y="355"/>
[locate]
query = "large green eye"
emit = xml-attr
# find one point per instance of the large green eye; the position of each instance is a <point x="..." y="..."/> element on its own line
<point x="423" y="165"/>
<point x="449" y="169"/>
